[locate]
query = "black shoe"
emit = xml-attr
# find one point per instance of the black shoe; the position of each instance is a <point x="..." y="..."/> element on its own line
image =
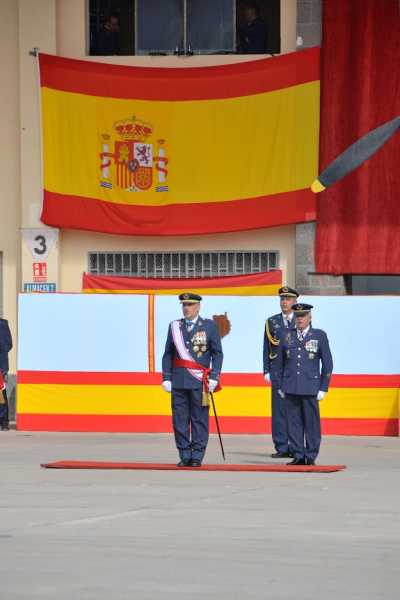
<point x="296" y="461"/>
<point x="185" y="463"/>
<point x="195" y="463"/>
<point x="310" y="461"/>
<point x="281" y="455"/>
<point x="5" y="427"/>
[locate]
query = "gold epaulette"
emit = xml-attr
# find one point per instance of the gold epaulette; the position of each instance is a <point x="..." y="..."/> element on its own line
<point x="272" y="340"/>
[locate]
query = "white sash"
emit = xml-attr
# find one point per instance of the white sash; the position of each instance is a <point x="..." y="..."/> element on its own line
<point x="180" y="346"/>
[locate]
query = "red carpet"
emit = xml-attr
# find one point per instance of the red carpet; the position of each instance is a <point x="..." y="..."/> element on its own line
<point x="264" y="468"/>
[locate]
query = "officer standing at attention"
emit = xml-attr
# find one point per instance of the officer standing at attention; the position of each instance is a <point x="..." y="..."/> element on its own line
<point x="304" y="365"/>
<point x="5" y="347"/>
<point x="274" y="326"/>
<point x="191" y="368"/>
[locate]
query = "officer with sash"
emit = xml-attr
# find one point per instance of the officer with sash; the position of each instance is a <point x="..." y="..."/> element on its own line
<point x="191" y="368"/>
<point x="274" y="327"/>
<point x="304" y="365"/>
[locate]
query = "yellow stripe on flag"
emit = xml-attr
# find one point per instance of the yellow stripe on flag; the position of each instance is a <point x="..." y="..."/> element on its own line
<point x="217" y="150"/>
<point x="372" y="403"/>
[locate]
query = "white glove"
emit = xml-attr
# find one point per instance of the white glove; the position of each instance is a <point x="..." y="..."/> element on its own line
<point x="267" y="378"/>
<point x="320" y="395"/>
<point x="212" y="384"/>
<point x="167" y="386"/>
<point x="282" y="394"/>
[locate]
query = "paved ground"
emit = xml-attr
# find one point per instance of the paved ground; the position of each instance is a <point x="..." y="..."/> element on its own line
<point x="80" y="535"/>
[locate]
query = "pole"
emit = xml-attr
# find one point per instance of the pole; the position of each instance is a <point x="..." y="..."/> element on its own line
<point x="217" y="424"/>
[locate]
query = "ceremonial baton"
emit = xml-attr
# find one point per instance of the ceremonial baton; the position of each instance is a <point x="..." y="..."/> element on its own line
<point x="217" y="424"/>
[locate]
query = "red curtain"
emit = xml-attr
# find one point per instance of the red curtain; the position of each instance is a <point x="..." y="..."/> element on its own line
<point x="358" y="219"/>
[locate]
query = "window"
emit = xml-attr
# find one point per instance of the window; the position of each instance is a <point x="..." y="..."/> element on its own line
<point x="181" y="264"/>
<point x="369" y="285"/>
<point x="158" y="27"/>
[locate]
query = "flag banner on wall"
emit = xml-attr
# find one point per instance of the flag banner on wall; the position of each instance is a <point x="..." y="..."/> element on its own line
<point x="179" y="151"/>
<point x="257" y="284"/>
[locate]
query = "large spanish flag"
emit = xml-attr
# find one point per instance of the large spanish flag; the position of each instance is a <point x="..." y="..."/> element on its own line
<point x="169" y="151"/>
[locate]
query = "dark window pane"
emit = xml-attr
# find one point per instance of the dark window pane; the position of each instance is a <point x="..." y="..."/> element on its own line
<point x="211" y="26"/>
<point x="118" y="263"/>
<point x="110" y="263"/>
<point x="150" y="265"/>
<point x="93" y="263"/>
<point x="159" y="26"/>
<point x="167" y="265"/>
<point x="273" y="260"/>
<point x="372" y="284"/>
<point x="231" y="263"/>
<point x="102" y="263"/>
<point x="126" y="263"/>
<point x="199" y="264"/>
<point x="117" y="39"/>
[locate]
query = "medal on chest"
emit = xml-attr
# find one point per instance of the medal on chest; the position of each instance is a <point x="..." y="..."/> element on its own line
<point x="199" y="342"/>
<point x="311" y="347"/>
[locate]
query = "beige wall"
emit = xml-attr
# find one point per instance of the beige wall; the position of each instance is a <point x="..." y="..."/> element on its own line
<point x="77" y="244"/>
<point x="9" y="160"/>
<point x="60" y="26"/>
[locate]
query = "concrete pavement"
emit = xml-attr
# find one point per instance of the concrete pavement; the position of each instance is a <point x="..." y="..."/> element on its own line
<point x="83" y="535"/>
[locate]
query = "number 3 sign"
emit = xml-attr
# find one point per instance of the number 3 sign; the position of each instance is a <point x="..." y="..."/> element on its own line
<point x="40" y="241"/>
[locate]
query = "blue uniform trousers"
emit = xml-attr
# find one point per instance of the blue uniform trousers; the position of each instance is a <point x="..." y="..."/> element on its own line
<point x="4" y="408"/>
<point x="190" y="422"/>
<point x="279" y="421"/>
<point x="304" y="425"/>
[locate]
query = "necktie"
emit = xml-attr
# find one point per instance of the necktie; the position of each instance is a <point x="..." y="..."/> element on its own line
<point x="300" y="335"/>
<point x="189" y="325"/>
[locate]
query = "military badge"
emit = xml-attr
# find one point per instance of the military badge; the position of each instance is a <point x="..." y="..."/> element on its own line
<point x="311" y="355"/>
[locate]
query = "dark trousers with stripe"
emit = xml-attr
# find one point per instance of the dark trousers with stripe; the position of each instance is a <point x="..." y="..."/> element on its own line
<point x="304" y="425"/>
<point x="279" y="427"/>
<point x="190" y="422"/>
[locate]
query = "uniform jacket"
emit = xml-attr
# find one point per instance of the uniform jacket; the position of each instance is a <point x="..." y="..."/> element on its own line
<point x="276" y="327"/>
<point x="5" y="345"/>
<point x="304" y="367"/>
<point x="211" y="357"/>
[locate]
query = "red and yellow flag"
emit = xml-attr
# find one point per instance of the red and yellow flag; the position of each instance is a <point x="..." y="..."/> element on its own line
<point x="169" y="151"/>
<point x="255" y="284"/>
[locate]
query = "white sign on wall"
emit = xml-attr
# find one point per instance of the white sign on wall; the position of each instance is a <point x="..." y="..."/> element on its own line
<point x="40" y="260"/>
<point x="40" y="242"/>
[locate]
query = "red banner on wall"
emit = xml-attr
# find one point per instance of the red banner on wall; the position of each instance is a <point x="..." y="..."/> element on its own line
<point x="257" y="284"/>
<point x="358" y="219"/>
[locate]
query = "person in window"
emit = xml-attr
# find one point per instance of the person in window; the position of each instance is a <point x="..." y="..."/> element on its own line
<point x="252" y="33"/>
<point x="107" y="40"/>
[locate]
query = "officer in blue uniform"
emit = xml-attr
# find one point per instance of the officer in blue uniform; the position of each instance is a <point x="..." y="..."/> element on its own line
<point x="5" y="347"/>
<point x="304" y="365"/>
<point x="192" y="341"/>
<point x="274" y="326"/>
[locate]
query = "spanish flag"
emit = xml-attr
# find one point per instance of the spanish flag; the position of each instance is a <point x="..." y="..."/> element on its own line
<point x="179" y="151"/>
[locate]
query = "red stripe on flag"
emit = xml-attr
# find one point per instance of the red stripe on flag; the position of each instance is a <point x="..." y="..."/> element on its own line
<point x="227" y="379"/>
<point x="79" y="212"/>
<point x="189" y="83"/>
<point x="162" y="424"/>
